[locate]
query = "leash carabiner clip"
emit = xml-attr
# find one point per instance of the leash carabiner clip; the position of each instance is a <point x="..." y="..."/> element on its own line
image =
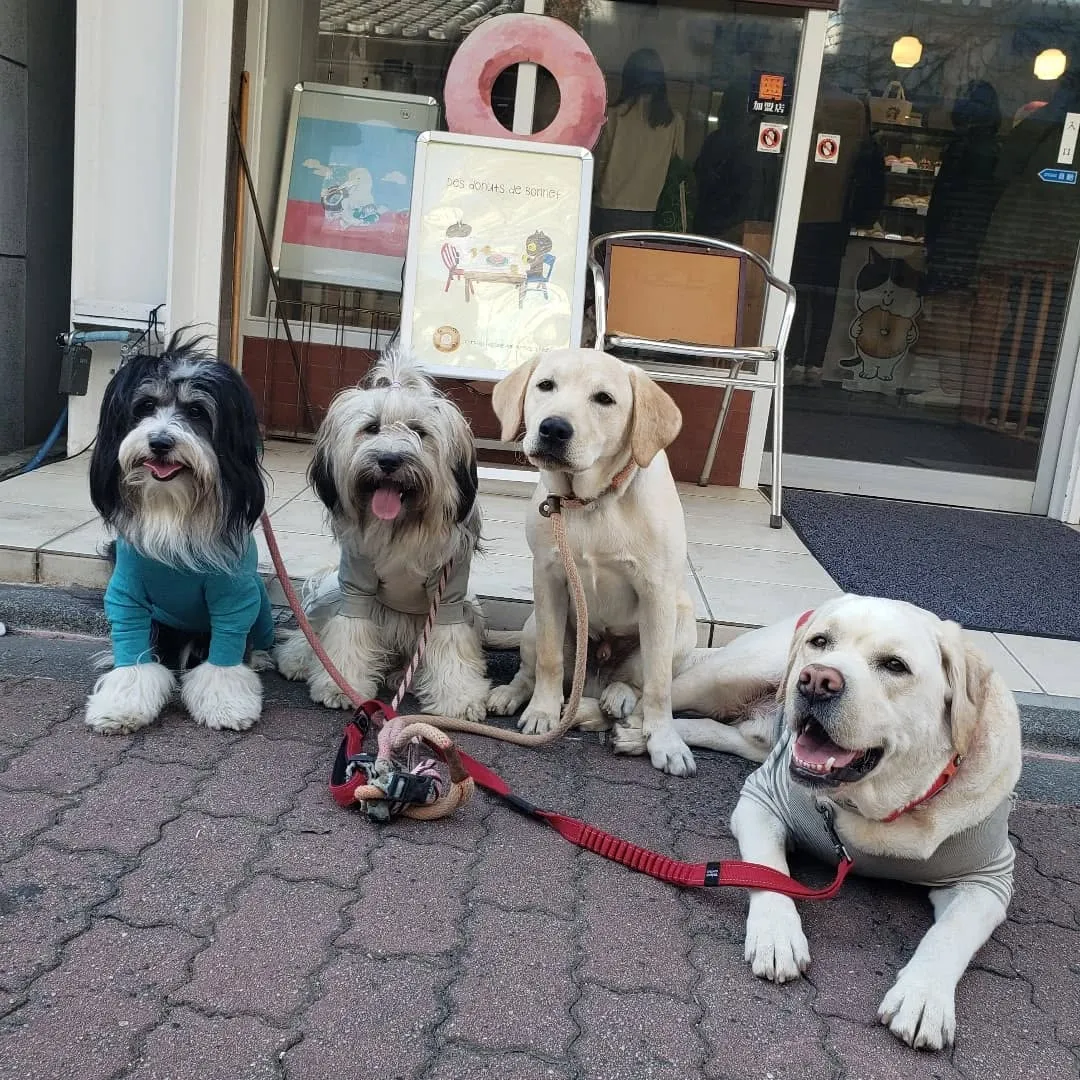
<point x="828" y="815"/>
<point x="551" y="505"/>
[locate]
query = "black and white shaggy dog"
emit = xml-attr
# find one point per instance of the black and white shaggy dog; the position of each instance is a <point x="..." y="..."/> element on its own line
<point x="395" y="466"/>
<point x="175" y="475"/>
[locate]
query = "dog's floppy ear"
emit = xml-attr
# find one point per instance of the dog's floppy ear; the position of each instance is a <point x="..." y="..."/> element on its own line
<point x="468" y="483"/>
<point x="968" y="677"/>
<point x="797" y="639"/>
<point x="656" y="421"/>
<point x="238" y="446"/>
<point x="114" y="422"/>
<point x="508" y="399"/>
<point x="321" y="478"/>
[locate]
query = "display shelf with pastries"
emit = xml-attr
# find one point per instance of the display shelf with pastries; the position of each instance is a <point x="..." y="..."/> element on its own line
<point x="912" y="161"/>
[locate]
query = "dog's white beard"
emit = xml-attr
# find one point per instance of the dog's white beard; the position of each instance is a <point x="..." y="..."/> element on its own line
<point x="178" y="522"/>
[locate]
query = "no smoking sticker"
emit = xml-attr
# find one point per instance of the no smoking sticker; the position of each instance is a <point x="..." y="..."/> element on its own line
<point x="770" y="138"/>
<point x="827" y="149"/>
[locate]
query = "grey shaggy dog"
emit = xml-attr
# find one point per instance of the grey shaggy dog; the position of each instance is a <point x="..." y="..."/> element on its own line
<point x="395" y="466"/>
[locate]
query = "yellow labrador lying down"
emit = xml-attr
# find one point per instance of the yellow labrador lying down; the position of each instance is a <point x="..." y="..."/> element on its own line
<point x="883" y="712"/>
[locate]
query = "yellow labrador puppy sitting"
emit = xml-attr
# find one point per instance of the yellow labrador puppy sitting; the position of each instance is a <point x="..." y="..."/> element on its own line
<point x="596" y="428"/>
<point x="883" y="714"/>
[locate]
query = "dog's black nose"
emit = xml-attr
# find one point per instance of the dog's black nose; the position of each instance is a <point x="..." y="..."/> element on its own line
<point x="389" y="462"/>
<point x="556" y="429"/>
<point x="820" y="683"/>
<point x="161" y="442"/>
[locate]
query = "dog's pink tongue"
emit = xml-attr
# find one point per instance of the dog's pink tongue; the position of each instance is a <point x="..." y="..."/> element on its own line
<point x="163" y="470"/>
<point x="815" y="747"/>
<point x="386" y="503"/>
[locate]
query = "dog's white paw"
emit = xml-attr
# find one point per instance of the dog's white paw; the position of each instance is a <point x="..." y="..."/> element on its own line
<point x="324" y="691"/>
<point x="292" y="656"/>
<point x="618" y="700"/>
<point x="222" y="698"/>
<point x="261" y="660"/>
<point x="629" y="736"/>
<point x="590" y="717"/>
<point x="506" y="700"/>
<point x="776" y="947"/>
<point x="668" y="752"/>
<point x="539" y="718"/>
<point x="468" y="702"/>
<point x="920" y="1010"/>
<point x="128" y="698"/>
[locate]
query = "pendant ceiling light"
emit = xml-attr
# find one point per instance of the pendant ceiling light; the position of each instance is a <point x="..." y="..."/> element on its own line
<point x="907" y="51"/>
<point x="1050" y="64"/>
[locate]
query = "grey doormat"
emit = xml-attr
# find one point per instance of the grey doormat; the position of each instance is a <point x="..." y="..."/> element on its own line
<point x="1007" y="573"/>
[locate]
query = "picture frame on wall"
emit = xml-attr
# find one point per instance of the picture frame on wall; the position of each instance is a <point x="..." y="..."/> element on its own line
<point x="498" y="252"/>
<point x="346" y="185"/>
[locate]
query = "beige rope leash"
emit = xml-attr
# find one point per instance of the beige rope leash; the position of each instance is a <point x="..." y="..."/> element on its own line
<point x="550" y="508"/>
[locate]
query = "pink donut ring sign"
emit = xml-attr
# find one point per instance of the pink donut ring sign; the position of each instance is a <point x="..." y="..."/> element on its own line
<point x="526" y="39"/>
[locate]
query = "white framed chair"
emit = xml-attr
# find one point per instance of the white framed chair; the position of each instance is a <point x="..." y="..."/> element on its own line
<point x="729" y="367"/>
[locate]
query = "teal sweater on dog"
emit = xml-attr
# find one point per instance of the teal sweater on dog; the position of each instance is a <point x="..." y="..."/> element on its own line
<point x="233" y="606"/>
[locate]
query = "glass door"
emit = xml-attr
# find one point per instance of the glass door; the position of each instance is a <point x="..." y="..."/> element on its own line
<point x="935" y="251"/>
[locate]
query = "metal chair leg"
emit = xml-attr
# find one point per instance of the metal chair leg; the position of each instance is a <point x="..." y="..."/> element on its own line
<point x="776" y="520"/>
<point x="714" y="443"/>
<point x="718" y="430"/>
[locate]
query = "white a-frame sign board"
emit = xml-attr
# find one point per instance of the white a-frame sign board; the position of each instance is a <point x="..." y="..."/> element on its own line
<point x="496" y="260"/>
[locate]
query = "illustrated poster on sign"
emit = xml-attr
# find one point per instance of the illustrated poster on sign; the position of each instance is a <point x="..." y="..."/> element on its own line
<point x="770" y="94"/>
<point x="343" y="212"/>
<point x="495" y="271"/>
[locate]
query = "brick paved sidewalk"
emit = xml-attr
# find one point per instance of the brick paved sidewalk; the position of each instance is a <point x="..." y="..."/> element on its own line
<point x="187" y="905"/>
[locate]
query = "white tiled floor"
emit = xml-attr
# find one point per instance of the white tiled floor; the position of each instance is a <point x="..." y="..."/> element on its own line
<point x="740" y="572"/>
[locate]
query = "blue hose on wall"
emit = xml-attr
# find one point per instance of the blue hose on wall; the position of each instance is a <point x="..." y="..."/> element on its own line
<point x="47" y="445"/>
<point x="83" y="337"/>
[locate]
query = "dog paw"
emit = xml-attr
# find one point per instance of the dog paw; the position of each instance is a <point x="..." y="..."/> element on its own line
<point x="538" y="718"/>
<point x="668" y="752"/>
<point x="326" y="692"/>
<point x="776" y="947"/>
<point x="920" y="1011"/>
<point x="590" y="717"/>
<point x="471" y="703"/>
<point x="506" y="700"/>
<point x="292" y="656"/>
<point x="629" y="737"/>
<point x="618" y="700"/>
<point x="222" y="698"/>
<point x="261" y="660"/>
<point x="129" y="698"/>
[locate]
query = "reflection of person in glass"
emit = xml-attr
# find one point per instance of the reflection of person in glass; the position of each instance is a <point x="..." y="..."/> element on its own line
<point x="844" y="187"/>
<point x="956" y="222"/>
<point x="641" y="136"/>
<point x="735" y="183"/>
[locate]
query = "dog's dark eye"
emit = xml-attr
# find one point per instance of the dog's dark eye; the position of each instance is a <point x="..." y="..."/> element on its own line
<point x="819" y="641"/>
<point x="195" y="411"/>
<point x="372" y="428"/>
<point x="419" y="431"/>
<point x="142" y="409"/>
<point x="602" y="397"/>
<point x="895" y="665"/>
<point x="546" y="385"/>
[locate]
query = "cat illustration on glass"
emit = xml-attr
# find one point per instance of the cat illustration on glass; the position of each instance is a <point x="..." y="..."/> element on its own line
<point x="888" y="295"/>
